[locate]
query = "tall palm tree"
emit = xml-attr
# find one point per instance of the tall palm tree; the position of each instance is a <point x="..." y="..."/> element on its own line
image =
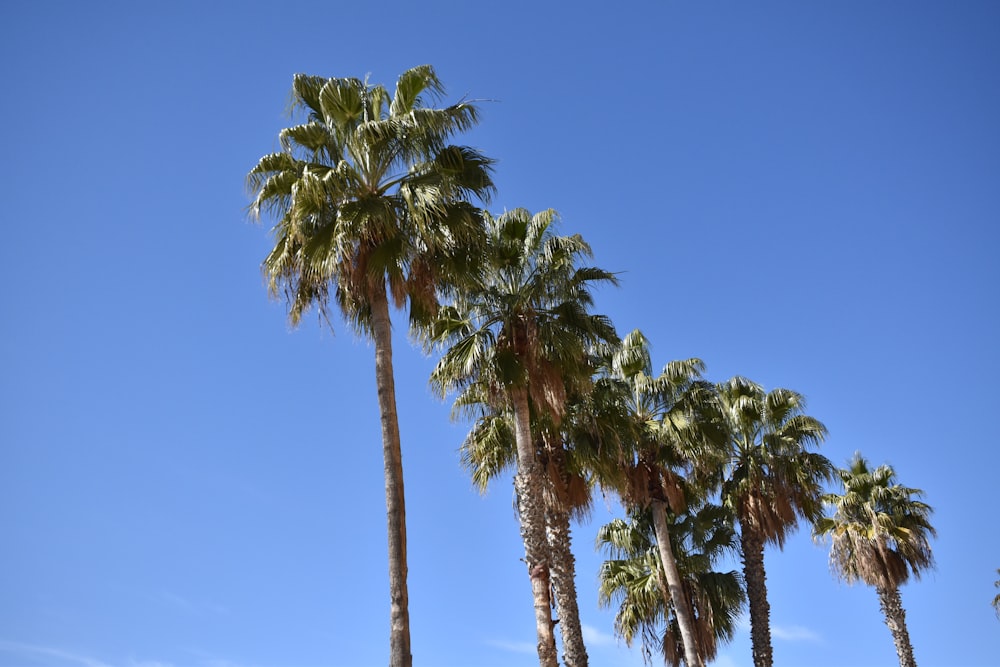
<point x="490" y="449"/>
<point x="520" y="330"/>
<point x="634" y="580"/>
<point x="880" y="534"/>
<point x="661" y="439"/>
<point x="771" y="481"/>
<point x="568" y="456"/>
<point x="373" y="203"/>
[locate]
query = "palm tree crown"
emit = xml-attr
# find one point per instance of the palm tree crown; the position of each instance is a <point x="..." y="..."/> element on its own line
<point x="771" y="478"/>
<point x="367" y="192"/>
<point x="880" y="531"/>
<point x="663" y="423"/>
<point x="522" y="320"/>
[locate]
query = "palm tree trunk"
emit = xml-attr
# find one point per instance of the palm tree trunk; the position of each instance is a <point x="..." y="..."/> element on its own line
<point x="673" y="576"/>
<point x="557" y="528"/>
<point x="528" y="486"/>
<point x="895" y="618"/>
<point x="752" y="544"/>
<point x="399" y="613"/>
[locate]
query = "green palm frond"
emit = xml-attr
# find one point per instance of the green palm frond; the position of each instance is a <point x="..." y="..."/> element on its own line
<point x="341" y="103"/>
<point x="667" y="437"/>
<point x="621" y="539"/>
<point x="305" y="94"/>
<point x="315" y="138"/>
<point x="465" y="361"/>
<point x="435" y="126"/>
<point x="411" y="85"/>
<point x="488" y="450"/>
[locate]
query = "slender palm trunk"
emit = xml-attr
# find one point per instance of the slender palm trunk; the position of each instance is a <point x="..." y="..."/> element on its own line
<point x="528" y="486"/>
<point x="399" y="613"/>
<point x="895" y="618"/>
<point x="752" y="544"/>
<point x="674" y="584"/>
<point x="557" y="528"/>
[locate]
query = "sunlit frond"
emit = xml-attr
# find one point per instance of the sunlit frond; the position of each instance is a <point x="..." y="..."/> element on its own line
<point x="409" y="87"/>
<point x="305" y="94"/>
<point x="342" y="104"/>
<point x="489" y="449"/>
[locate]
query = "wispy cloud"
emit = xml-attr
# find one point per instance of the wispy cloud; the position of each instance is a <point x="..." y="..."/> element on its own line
<point x="594" y="637"/>
<point x="794" y="633"/>
<point x="50" y="656"/>
<point x="36" y="652"/>
<point x="513" y="647"/>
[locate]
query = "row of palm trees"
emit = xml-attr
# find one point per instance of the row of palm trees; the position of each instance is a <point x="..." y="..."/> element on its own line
<point x="376" y="207"/>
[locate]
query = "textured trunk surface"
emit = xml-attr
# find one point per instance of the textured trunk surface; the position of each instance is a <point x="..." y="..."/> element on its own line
<point x="528" y="486"/>
<point x="564" y="584"/>
<point x="674" y="584"/>
<point x="895" y="618"/>
<point x="399" y="613"/>
<point x="760" y="611"/>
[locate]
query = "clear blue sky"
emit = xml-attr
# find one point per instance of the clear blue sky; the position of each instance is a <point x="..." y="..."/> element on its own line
<point x="803" y="193"/>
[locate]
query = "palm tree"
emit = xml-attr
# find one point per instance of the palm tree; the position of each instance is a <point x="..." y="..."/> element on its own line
<point x="568" y="456"/>
<point x="771" y="480"/>
<point x="661" y="437"/>
<point x="879" y="535"/>
<point x="634" y="580"/>
<point x="372" y="202"/>
<point x="489" y="450"/>
<point x="996" y="598"/>
<point x="519" y="330"/>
